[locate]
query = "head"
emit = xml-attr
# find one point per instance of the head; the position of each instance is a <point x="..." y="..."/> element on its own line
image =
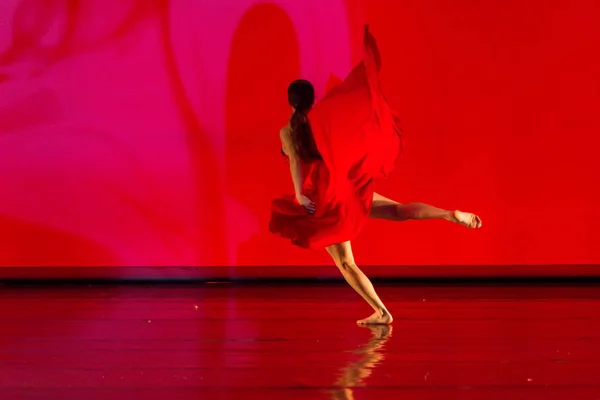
<point x="301" y="96"/>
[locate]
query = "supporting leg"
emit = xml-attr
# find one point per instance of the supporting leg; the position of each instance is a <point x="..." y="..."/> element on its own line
<point x="344" y="260"/>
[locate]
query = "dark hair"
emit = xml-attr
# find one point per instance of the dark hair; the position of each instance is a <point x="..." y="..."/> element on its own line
<point x="301" y="96"/>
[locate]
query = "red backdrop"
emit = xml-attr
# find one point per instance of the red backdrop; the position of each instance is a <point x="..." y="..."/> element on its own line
<point x="146" y="132"/>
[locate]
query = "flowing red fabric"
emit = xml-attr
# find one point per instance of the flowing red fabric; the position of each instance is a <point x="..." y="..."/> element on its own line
<point x="359" y="137"/>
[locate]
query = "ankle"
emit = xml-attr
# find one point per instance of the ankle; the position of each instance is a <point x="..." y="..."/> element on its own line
<point x="450" y="215"/>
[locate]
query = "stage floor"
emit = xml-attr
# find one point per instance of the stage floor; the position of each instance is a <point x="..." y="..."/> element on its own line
<point x="234" y="341"/>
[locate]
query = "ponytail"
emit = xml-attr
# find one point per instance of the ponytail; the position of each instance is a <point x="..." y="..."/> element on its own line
<point x="302" y="137"/>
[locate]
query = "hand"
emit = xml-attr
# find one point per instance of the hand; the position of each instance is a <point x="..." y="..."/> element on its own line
<point x="307" y="203"/>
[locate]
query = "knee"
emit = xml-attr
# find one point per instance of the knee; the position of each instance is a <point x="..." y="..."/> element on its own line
<point x="346" y="265"/>
<point x="401" y="213"/>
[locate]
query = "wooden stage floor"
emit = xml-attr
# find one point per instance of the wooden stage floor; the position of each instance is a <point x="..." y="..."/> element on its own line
<point x="246" y="341"/>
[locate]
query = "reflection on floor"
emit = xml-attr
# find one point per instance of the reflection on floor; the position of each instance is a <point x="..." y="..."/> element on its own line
<point x="225" y="341"/>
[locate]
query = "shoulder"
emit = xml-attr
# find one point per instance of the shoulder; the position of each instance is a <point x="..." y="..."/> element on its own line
<point x="286" y="140"/>
<point x="285" y="133"/>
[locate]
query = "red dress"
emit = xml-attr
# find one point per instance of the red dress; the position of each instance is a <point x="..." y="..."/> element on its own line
<point x="359" y="138"/>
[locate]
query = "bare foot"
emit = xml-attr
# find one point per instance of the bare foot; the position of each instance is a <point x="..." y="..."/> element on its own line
<point x="377" y="318"/>
<point x="467" y="219"/>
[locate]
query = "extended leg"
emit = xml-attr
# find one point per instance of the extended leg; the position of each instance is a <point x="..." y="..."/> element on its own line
<point x="344" y="260"/>
<point x="384" y="208"/>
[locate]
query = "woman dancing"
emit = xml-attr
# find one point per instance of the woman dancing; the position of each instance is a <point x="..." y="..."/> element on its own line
<point x="350" y="138"/>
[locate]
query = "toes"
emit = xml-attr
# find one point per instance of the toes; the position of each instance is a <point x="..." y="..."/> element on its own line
<point x="366" y="321"/>
<point x="475" y="222"/>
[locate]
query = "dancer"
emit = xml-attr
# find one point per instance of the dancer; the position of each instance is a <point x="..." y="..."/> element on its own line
<point x="350" y="138"/>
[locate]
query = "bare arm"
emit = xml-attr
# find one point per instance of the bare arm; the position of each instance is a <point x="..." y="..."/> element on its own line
<point x="295" y="169"/>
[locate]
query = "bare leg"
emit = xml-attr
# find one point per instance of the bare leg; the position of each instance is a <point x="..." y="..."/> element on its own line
<point x="384" y="208"/>
<point x="344" y="260"/>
